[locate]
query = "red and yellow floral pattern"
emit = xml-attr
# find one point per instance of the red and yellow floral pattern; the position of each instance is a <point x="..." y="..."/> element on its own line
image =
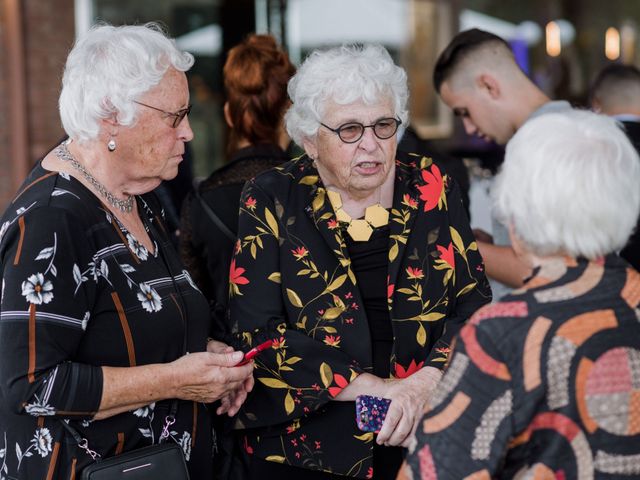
<point x="299" y="288"/>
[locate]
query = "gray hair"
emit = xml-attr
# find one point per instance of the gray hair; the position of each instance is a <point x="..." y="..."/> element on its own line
<point x="569" y="185"/>
<point x="343" y="75"/>
<point x="110" y="67"/>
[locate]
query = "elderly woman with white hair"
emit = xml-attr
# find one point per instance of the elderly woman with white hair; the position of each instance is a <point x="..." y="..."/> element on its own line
<point x="545" y="384"/>
<point x="97" y="312"/>
<point x="358" y="263"/>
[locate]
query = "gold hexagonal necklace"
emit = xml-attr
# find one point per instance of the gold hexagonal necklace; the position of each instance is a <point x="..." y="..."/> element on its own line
<point x="360" y="229"/>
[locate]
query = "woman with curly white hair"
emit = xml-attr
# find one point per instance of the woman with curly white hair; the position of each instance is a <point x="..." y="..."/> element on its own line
<point x="545" y="383"/>
<point x="359" y="264"/>
<point x="97" y="312"/>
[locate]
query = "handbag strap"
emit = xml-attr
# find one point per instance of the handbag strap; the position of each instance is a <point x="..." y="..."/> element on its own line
<point x="214" y="218"/>
<point x="83" y="443"/>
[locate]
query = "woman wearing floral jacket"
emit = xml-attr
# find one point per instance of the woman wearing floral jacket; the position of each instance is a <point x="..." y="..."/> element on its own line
<point x="354" y="305"/>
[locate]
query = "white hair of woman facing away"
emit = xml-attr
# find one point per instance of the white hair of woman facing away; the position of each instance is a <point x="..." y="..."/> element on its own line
<point x="573" y="194"/>
<point x="545" y="381"/>
<point x="100" y="325"/>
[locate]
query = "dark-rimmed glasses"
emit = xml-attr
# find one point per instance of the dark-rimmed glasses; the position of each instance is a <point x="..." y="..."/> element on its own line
<point x="176" y="117"/>
<point x="353" y="131"/>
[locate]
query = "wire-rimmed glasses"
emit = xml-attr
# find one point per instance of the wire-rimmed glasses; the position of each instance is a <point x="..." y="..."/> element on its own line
<point x="177" y="117"/>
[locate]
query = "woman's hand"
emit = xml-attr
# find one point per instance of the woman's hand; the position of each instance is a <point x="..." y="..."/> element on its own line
<point x="207" y="377"/>
<point x="231" y="403"/>
<point x="408" y="398"/>
<point x="214" y="346"/>
<point x="201" y="377"/>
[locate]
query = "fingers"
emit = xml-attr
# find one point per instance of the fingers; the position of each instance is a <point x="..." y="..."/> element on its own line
<point x="237" y="401"/>
<point x="394" y="414"/>
<point x="214" y="346"/>
<point x="225" y="403"/>
<point x="398" y="425"/>
<point x="226" y="359"/>
<point x="239" y="398"/>
<point x="236" y="398"/>
<point x="405" y="430"/>
<point x="228" y="366"/>
<point x="249" y="383"/>
<point x="231" y="403"/>
<point x="408" y="398"/>
<point x="401" y="433"/>
<point x="219" y="368"/>
<point x="207" y="377"/>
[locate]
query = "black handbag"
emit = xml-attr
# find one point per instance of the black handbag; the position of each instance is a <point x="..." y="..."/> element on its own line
<point x="164" y="461"/>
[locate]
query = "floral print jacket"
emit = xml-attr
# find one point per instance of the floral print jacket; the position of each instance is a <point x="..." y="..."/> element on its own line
<point x="291" y="281"/>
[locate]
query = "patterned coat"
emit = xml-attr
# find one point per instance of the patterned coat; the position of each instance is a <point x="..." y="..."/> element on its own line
<point x="545" y="384"/>
<point x="291" y="280"/>
<point x="80" y="292"/>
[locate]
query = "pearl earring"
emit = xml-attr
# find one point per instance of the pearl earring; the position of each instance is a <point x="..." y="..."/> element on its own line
<point x="111" y="145"/>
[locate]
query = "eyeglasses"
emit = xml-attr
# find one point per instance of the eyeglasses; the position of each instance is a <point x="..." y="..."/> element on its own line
<point x="177" y="117"/>
<point x="353" y="131"/>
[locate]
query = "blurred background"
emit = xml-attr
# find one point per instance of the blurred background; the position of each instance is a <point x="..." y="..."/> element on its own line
<point x="560" y="44"/>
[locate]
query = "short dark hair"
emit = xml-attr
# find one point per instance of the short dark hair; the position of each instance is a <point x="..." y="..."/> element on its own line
<point x="462" y="45"/>
<point x="612" y="75"/>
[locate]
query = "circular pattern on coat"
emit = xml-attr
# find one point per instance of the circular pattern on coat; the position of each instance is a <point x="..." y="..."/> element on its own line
<point x="613" y="391"/>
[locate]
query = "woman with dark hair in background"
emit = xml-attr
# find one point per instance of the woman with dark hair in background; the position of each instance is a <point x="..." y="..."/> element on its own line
<point x="255" y="79"/>
<point x="256" y="74"/>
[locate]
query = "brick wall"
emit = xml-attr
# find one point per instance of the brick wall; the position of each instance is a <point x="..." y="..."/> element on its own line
<point x="48" y="34"/>
<point x="49" y="31"/>
<point x="5" y="166"/>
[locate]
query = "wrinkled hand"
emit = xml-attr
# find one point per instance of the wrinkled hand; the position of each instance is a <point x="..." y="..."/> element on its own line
<point x="214" y="346"/>
<point x="408" y="398"/>
<point x="231" y="403"/>
<point x="207" y="376"/>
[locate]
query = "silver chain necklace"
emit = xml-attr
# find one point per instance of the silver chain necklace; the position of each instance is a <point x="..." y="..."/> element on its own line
<point x="125" y="205"/>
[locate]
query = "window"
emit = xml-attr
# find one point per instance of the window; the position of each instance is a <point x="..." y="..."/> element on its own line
<point x="197" y="27"/>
